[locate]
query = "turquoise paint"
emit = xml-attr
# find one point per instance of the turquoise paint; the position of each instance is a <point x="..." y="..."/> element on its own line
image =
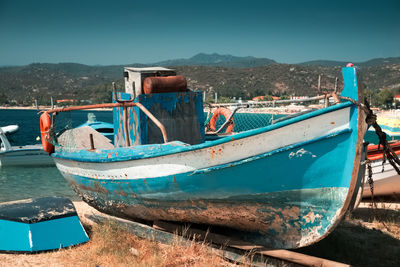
<point x="254" y="176"/>
<point x="57" y="233"/>
<point x="156" y="103"/>
<point x="46" y="235"/>
<point x="14" y="236"/>
<point x="351" y="82"/>
<point x="231" y="164"/>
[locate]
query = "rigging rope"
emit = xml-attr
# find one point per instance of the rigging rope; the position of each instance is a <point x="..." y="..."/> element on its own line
<point x="387" y="153"/>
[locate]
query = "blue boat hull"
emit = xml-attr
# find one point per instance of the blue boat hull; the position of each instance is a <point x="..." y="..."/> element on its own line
<point x="289" y="205"/>
<point x="33" y="225"/>
<point x="287" y="185"/>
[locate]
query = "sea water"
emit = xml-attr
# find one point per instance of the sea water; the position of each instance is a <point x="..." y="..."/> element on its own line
<point x="27" y="182"/>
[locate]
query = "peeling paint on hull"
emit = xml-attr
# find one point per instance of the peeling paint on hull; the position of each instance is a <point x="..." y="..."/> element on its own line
<point x="276" y="219"/>
<point x="278" y="208"/>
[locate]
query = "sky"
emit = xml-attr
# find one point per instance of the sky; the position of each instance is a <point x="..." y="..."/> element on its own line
<point x="100" y="32"/>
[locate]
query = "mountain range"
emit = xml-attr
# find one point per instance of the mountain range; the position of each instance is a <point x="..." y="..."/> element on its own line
<point x="230" y="76"/>
<point x="218" y="60"/>
<point x="230" y="61"/>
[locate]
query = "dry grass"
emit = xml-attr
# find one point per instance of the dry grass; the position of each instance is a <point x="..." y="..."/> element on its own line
<point x="367" y="237"/>
<point x="385" y="217"/>
<point x="112" y="246"/>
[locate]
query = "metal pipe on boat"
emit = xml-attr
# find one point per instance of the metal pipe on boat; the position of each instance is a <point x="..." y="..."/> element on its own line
<point x="116" y="105"/>
<point x="155" y="120"/>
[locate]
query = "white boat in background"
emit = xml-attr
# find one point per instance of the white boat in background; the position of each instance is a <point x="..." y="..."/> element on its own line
<point x="29" y="155"/>
<point x="9" y="129"/>
<point x="386" y="179"/>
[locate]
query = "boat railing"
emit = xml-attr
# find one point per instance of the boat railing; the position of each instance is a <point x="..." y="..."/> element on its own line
<point x="274" y="102"/>
<point x="251" y="115"/>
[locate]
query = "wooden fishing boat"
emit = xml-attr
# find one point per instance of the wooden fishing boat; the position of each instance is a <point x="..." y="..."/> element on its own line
<point x="385" y="177"/>
<point x="289" y="183"/>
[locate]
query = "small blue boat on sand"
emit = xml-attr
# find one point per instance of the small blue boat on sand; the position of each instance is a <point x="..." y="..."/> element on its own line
<point x="290" y="183"/>
<point x="39" y="224"/>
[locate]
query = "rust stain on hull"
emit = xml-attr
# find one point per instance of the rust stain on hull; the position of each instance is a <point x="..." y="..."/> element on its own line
<point x="96" y="188"/>
<point x="288" y="226"/>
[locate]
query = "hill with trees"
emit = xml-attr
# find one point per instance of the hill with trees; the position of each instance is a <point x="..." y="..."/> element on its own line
<point x="92" y="84"/>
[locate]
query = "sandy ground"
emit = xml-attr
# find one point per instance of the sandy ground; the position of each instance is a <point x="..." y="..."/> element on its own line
<point x="367" y="237"/>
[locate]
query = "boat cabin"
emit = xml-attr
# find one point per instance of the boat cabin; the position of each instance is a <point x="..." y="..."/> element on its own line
<point x="167" y="97"/>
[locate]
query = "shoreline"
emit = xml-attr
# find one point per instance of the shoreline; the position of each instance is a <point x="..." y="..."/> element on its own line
<point x="46" y="108"/>
<point x="275" y="111"/>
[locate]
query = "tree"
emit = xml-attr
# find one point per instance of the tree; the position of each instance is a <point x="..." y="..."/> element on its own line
<point x="371" y="97"/>
<point x="385" y="99"/>
<point x="267" y="98"/>
<point x="3" y="99"/>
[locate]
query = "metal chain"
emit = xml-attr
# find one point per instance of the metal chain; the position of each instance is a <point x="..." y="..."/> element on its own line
<point x="388" y="152"/>
<point x="371" y="183"/>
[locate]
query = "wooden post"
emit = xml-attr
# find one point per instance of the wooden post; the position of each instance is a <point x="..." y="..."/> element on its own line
<point x="91" y="142"/>
<point x="336" y="79"/>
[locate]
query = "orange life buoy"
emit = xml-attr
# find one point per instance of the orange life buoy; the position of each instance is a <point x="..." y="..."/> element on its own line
<point x="45" y="124"/>
<point x="224" y="112"/>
